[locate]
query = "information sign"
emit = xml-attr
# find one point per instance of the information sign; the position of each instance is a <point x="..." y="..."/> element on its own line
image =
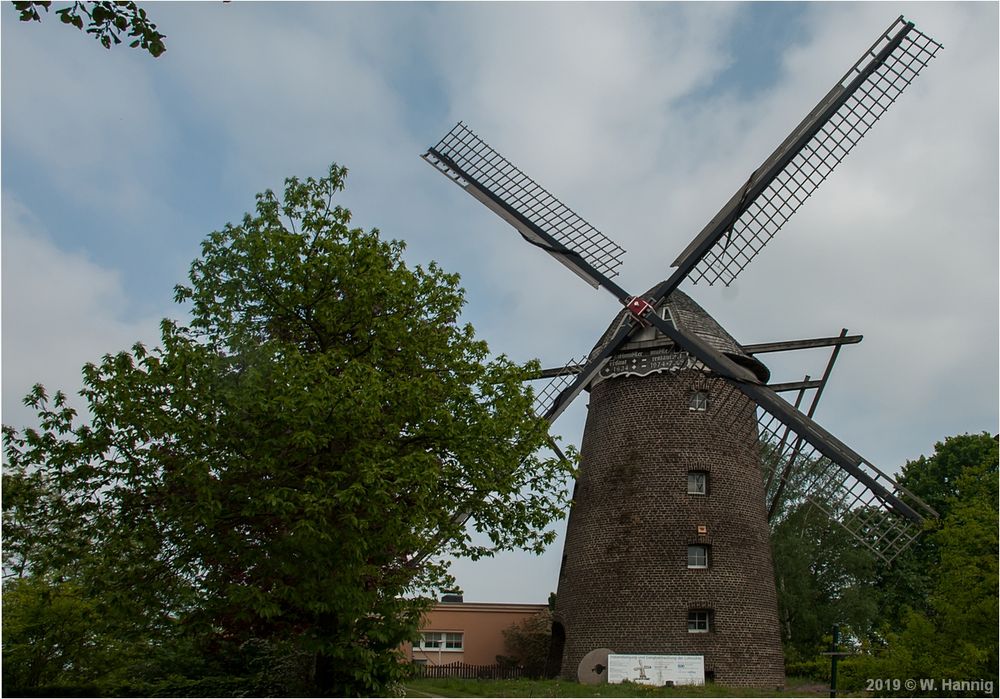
<point x="656" y="670"/>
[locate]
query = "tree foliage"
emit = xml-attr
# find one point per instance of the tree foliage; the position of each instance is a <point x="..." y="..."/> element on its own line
<point x="941" y="605"/>
<point x="275" y="472"/>
<point x="932" y="613"/>
<point x="823" y="577"/>
<point x="106" y="21"/>
<point x="527" y="642"/>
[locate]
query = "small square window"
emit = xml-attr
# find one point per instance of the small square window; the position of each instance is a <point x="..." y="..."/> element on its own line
<point x="699" y="620"/>
<point x="697" y="483"/>
<point x="453" y="641"/>
<point x="697" y="556"/>
<point x="698" y="401"/>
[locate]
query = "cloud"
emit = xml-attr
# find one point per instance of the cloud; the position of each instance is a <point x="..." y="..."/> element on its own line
<point x="286" y="92"/>
<point x="87" y="118"/>
<point x="637" y="116"/>
<point x="60" y="311"/>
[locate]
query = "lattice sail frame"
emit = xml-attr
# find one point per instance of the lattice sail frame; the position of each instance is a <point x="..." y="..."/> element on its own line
<point x="809" y="476"/>
<point x="467" y="159"/>
<point x="824" y="151"/>
<point x="545" y="397"/>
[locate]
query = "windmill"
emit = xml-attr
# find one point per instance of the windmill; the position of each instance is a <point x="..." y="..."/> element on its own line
<point x="687" y="448"/>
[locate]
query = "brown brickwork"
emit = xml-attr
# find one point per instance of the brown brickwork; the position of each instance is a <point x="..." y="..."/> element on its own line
<point x="624" y="582"/>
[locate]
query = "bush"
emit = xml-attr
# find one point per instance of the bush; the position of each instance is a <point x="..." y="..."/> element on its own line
<point x="527" y="643"/>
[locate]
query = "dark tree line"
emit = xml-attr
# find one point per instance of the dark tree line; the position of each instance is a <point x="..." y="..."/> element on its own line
<point x="932" y="613"/>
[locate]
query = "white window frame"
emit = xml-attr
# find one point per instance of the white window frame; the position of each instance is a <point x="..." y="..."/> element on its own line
<point x="701" y="557"/>
<point x="699" y="620"/>
<point x="447" y="641"/>
<point x="668" y="316"/>
<point x="698" y="402"/>
<point x="430" y="640"/>
<point x="704" y="482"/>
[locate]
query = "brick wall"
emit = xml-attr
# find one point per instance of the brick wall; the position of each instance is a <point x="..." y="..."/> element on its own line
<point x="624" y="582"/>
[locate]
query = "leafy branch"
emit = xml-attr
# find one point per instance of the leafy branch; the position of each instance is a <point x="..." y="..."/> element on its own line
<point x="106" y="21"/>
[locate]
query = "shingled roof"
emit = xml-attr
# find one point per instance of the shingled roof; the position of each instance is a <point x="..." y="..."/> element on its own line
<point x="689" y="316"/>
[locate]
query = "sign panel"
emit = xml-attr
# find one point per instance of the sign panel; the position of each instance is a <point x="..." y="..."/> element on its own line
<point x="648" y="361"/>
<point x="656" y="670"/>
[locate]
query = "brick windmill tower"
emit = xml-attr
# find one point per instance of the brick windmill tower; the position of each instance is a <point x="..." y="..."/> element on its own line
<point x="668" y="533"/>
<point x="688" y="449"/>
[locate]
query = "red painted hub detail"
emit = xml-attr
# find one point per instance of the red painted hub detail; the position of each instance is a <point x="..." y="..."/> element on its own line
<point x="639" y="307"/>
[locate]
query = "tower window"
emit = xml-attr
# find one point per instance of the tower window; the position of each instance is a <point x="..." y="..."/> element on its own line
<point x="697" y="483"/>
<point x="698" y="556"/>
<point x="699" y="620"/>
<point x="698" y="401"/>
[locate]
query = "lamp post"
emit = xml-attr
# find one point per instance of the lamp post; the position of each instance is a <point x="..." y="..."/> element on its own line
<point x="835" y="655"/>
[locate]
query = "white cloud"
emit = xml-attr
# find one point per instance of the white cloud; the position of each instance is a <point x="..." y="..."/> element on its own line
<point x="60" y="311"/>
<point x="286" y="92"/>
<point x="624" y="111"/>
<point x="88" y="118"/>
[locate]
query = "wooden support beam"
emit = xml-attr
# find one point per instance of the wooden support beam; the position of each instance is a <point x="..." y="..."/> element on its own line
<point x="802" y="344"/>
<point x="794" y="386"/>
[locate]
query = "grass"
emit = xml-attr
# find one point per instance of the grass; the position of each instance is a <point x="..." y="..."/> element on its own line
<point x="794" y="686"/>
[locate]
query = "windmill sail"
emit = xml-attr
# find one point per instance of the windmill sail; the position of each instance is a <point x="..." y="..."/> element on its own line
<point x="803" y="475"/>
<point x="832" y="476"/>
<point x="852" y="491"/>
<point x="559" y="379"/>
<point x="810" y="153"/>
<point x="542" y="219"/>
<point x="793" y="172"/>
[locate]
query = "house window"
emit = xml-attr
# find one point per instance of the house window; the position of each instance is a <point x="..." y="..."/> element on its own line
<point x="697" y="483"/>
<point x="698" y="401"/>
<point x="440" y="640"/>
<point x="699" y="620"/>
<point x="430" y="640"/>
<point x="697" y="556"/>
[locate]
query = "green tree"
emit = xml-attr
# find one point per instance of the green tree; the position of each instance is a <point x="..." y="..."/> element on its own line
<point x="276" y="472"/>
<point x="527" y="642"/>
<point x="939" y="481"/>
<point x="75" y="612"/>
<point x="950" y="632"/>
<point x="822" y="575"/>
<point x="48" y="634"/>
<point x="105" y="21"/>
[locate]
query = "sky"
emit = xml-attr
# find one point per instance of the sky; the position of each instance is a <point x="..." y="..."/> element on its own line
<point x="643" y="118"/>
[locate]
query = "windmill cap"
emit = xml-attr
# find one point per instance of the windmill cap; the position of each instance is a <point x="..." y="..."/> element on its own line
<point x="692" y="318"/>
